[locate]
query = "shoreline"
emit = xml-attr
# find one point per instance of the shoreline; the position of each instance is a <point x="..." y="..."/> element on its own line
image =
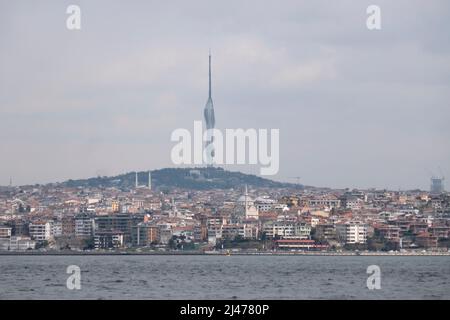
<point x="218" y="253"/>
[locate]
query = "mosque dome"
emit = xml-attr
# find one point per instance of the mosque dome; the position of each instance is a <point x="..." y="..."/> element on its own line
<point x="241" y="200"/>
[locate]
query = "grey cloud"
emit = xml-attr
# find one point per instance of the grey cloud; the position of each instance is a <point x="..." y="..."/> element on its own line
<point x="354" y="107"/>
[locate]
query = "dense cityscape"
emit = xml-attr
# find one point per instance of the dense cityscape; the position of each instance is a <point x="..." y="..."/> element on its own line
<point x="147" y="218"/>
<point x="225" y="159"/>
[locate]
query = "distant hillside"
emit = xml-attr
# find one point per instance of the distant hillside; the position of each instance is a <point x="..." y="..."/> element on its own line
<point x="188" y="178"/>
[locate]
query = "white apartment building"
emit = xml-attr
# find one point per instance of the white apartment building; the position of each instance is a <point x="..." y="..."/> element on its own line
<point x="214" y="226"/>
<point x="16" y="243"/>
<point x="40" y="231"/>
<point x="21" y="243"/>
<point x="287" y="230"/>
<point x="352" y="232"/>
<point x="215" y="231"/>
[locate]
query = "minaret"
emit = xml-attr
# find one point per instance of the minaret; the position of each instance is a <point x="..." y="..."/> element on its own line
<point x="210" y="122"/>
<point x="174" y="208"/>
<point x="246" y="201"/>
<point x="150" y="180"/>
<point x="136" y="180"/>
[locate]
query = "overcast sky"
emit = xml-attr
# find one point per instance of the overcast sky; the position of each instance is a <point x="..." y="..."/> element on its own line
<point x="355" y="108"/>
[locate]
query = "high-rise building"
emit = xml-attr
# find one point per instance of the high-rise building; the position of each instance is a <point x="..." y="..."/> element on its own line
<point x="437" y="185"/>
<point x="117" y="222"/>
<point x="210" y="123"/>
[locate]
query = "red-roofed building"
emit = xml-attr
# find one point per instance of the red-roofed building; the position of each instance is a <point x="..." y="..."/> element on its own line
<point x="426" y="240"/>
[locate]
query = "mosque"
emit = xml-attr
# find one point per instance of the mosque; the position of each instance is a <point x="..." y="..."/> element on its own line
<point x="246" y="206"/>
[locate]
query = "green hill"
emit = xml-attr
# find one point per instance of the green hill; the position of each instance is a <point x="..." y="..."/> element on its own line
<point x="188" y="178"/>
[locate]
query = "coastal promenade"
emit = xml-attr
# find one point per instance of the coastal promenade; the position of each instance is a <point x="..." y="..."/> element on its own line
<point x="224" y="253"/>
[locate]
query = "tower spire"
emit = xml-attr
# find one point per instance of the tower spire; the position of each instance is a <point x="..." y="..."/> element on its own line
<point x="210" y="73"/>
<point x="208" y="113"/>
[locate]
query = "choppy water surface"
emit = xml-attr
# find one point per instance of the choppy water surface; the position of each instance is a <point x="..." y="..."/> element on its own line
<point x="222" y="277"/>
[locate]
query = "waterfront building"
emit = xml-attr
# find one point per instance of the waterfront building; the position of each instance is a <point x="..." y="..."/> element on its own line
<point x="40" y="230"/>
<point x="144" y="234"/>
<point x="441" y="232"/>
<point x="286" y="230"/>
<point x="118" y="222"/>
<point x="111" y="239"/>
<point x="5" y="232"/>
<point x="56" y="228"/>
<point x="352" y="232"/>
<point x="299" y="244"/>
<point x="325" y="231"/>
<point x="17" y="243"/>
<point x="200" y="232"/>
<point x="84" y="225"/>
<point x="388" y="232"/>
<point x="19" y="227"/>
<point x="426" y="240"/>
<point x="68" y="225"/>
